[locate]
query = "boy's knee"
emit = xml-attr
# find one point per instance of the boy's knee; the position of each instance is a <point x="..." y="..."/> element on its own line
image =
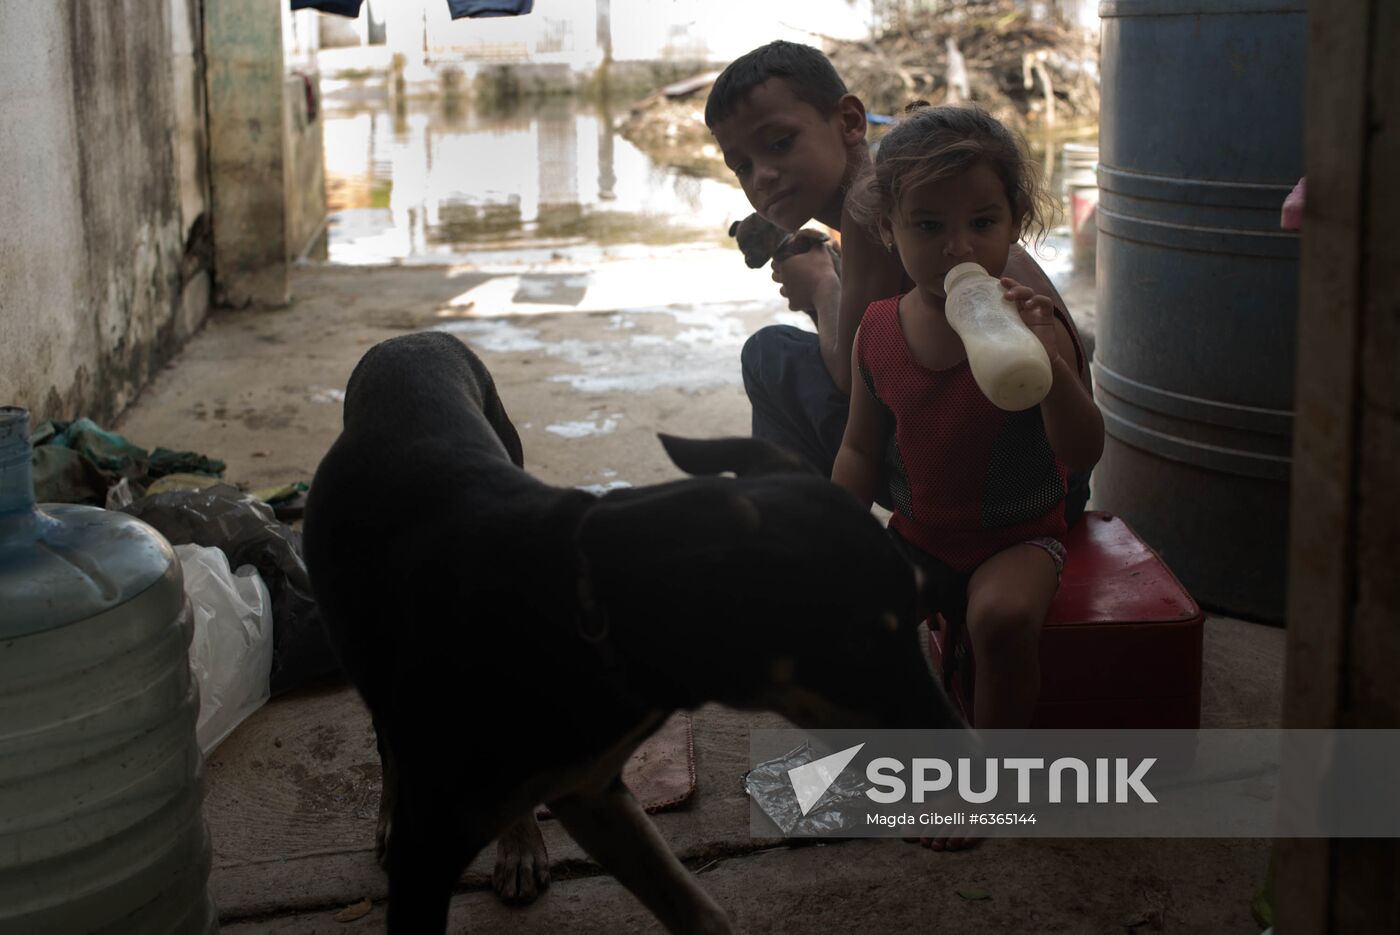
<point x="761" y="354"/>
<point x="751" y="355"/>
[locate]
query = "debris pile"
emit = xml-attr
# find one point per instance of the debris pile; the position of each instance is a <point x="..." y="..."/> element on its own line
<point x="1036" y="74"/>
<point x="669" y="126"/>
<point x="1031" y="73"/>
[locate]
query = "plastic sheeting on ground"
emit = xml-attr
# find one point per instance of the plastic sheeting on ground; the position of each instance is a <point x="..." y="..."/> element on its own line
<point x="249" y="534"/>
<point x="231" y="650"/>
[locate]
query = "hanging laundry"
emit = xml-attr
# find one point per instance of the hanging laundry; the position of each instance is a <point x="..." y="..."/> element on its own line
<point x="458" y="8"/>
<point x="350" y="8"/>
<point x="477" y="8"/>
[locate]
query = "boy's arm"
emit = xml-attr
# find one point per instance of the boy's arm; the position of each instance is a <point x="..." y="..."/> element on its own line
<point x="810" y="284"/>
<point x="869" y="273"/>
<point x="858" y="463"/>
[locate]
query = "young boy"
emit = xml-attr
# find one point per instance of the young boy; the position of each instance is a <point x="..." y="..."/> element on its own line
<point x="795" y="138"/>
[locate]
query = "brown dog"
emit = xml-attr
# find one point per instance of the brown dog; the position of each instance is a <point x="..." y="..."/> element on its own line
<point x="762" y="241"/>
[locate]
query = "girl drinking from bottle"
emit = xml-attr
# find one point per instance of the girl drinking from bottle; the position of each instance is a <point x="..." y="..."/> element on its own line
<point x="978" y="492"/>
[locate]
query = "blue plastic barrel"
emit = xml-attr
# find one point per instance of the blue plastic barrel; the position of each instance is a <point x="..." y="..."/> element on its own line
<point x="1200" y="140"/>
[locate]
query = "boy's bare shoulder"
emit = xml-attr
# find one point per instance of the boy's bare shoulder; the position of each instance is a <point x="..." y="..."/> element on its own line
<point x="861" y="250"/>
<point x="1023" y="268"/>
<point x="858" y="210"/>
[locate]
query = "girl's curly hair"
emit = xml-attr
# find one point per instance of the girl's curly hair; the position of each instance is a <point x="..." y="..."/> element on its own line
<point x="933" y="143"/>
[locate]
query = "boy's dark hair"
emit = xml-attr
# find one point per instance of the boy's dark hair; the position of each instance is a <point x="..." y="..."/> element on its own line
<point x="808" y="73"/>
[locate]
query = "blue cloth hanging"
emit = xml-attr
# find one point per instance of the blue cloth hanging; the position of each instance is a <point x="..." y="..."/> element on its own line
<point x="350" y="8"/>
<point x="458" y="8"/>
<point x="477" y="8"/>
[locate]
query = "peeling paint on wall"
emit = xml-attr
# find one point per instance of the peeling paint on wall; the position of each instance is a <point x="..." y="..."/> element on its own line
<point x="97" y="287"/>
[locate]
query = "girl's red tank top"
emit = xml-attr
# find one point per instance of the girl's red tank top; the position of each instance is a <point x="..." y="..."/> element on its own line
<point x="966" y="479"/>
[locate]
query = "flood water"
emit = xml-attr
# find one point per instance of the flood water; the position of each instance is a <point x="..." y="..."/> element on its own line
<point x="548" y="183"/>
<point x="437" y="183"/>
<point x="565" y="216"/>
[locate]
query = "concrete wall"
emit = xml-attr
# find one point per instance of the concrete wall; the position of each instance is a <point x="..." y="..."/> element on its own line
<point x="247" y="106"/>
<point x="305" y="168"/>
<point x="1343" y="590"/>
<point x="103" y="252"/>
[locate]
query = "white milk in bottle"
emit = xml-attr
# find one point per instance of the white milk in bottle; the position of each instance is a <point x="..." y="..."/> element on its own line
<point x="1008" y="361"/>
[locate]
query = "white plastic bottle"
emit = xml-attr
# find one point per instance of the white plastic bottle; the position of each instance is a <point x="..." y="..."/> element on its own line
<point x="1008" y="361"/>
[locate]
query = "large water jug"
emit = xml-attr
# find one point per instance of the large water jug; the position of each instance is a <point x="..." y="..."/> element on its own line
<point x="1201" y="133"/>
<point x="1008" y="362"/>
<point x="100" y="777"/>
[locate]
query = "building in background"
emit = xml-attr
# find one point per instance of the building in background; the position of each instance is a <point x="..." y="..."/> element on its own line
<point x="581" y="36"/>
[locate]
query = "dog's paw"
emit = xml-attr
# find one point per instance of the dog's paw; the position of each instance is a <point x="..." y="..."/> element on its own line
<point x="522" y="863"/>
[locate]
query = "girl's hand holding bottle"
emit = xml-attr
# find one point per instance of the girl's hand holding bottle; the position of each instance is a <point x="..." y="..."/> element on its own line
<point x="1011" y="362"/>
<point x="1037" y="311"/>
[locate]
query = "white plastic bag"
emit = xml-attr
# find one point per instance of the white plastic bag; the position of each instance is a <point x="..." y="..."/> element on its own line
<point x="231" y="652"/>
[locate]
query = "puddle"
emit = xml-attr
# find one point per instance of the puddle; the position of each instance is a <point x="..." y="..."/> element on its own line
<point x="694" y="275"/>
<point x="552" y="288"/>
<point x="431" y="183"/>
<point x="600" y="489"/>
<point x="702" y="353"/>
<point x="501" y="337"/>
<point x="594" y="426"/>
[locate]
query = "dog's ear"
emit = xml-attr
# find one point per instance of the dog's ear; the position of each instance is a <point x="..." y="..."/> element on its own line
<point x="680" y="521"/>
<point x="488" y="398"/>
<point x="746" y="457"/>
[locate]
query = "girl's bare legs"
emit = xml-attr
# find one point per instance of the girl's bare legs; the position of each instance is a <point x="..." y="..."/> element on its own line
<point x="1007" y="599"/>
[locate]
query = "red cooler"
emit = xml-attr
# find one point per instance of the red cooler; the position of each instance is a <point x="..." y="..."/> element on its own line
<point x="1121" y="647"/>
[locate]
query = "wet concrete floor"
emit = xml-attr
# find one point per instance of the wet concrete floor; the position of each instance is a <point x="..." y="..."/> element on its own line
<point x="590" y="369"/>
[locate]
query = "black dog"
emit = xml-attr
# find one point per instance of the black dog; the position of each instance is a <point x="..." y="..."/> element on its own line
<point x="515" y="642"/>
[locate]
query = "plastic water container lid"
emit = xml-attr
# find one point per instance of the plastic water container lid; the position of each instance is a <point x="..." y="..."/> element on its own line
<point x="63" y="562"/>
<point x="961" y="272"/>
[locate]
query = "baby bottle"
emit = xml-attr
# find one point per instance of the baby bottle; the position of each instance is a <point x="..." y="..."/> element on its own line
<point x="1008" y="361"/>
